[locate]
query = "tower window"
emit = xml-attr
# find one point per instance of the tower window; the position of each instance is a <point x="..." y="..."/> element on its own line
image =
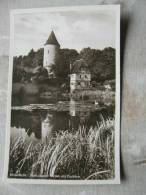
<point x="48" y="51"/>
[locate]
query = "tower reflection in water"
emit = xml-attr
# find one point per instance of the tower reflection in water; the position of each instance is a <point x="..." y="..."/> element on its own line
<point x="43" y="123"/>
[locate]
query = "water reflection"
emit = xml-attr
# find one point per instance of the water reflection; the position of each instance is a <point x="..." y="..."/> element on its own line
<point x="46" y="126"/>
<point x="79" y="114"/>
<point x="43" y="123"/>
<point x="30" y="99"/>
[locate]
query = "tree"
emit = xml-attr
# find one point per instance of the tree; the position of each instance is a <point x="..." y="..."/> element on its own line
<point x="18" y="74"/>
<point x="101" y="63"/>
<point x="28" y="59"/>
<point x="40" y="73"/>
<point x="38" y="58"/>
<point x="17" y="61"/>
<point x="62" y="67"/>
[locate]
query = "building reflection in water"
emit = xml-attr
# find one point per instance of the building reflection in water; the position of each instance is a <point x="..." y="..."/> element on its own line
<point x="79" y="114"/>
<point x="43" y="123"/>
<point x="46" y="126"/>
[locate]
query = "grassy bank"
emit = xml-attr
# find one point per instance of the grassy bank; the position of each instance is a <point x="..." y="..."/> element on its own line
<point x="77" y="155"/>
<point x="105" y="97"/>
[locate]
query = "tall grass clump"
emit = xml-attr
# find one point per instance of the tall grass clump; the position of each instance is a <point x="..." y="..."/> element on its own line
<point x="84" y="154"/>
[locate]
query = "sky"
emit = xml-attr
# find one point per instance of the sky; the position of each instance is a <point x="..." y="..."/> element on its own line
<point x="73" y="29"/>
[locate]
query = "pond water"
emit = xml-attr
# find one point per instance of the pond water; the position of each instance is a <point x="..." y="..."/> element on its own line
<point x="38" y="121"/>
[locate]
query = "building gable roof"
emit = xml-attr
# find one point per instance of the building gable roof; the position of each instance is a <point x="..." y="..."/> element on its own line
<point x="79" y="65"/>
<point x="52" y="40"/>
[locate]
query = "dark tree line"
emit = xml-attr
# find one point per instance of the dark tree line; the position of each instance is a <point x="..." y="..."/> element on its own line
<point x="64" y="60"/>
<point x="24" y="66"/>
<point x="33" y="59"/>
<point x="101" y="64"/>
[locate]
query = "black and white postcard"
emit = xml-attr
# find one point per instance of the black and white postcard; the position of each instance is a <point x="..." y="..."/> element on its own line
<point x="63" y="113"/>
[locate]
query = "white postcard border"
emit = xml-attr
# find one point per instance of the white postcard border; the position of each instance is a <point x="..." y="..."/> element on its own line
<point x="116" y="180"/>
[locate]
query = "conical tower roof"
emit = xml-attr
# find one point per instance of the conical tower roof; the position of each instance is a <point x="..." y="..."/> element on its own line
<point x="52" y="40"/>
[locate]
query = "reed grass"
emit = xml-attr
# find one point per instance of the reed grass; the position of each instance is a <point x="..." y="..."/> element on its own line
<point x="84" y="154"/>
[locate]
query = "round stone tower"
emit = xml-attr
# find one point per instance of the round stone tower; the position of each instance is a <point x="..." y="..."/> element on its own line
<point x="51" y="48"/>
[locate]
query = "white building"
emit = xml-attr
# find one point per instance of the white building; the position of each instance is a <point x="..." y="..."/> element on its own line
<point x="51" y="49"/>
<point x="80" y="76"/>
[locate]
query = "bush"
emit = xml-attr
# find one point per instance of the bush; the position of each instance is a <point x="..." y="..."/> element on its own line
<point x="82" y="154"/>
